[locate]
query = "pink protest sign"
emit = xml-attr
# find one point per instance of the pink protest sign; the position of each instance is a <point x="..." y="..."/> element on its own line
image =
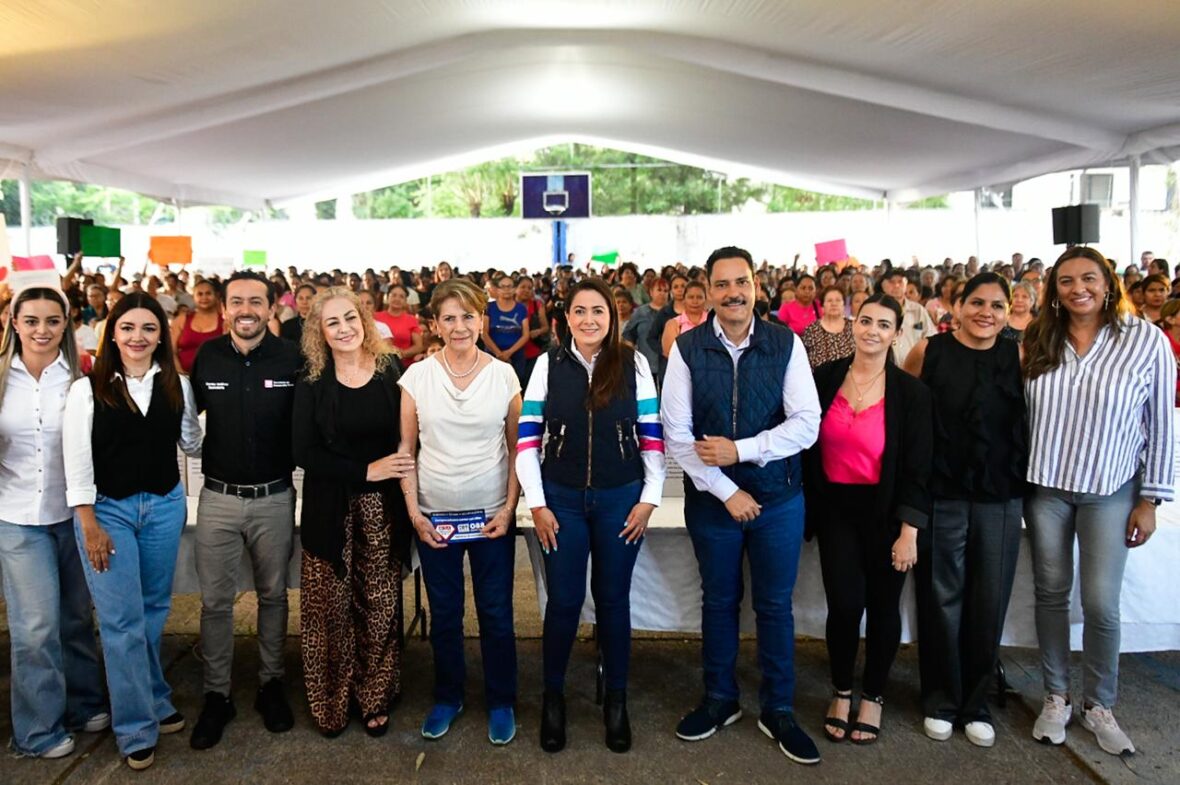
<point x="831" y="251"/>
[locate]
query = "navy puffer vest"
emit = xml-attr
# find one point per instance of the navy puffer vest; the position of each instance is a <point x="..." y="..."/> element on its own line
<point x="589" y="449"/>
<point x="742" y="405"/>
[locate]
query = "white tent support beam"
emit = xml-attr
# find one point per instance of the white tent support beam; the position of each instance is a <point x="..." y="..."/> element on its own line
<point x="978" y="234"/>
<point x="1133" y="217"/>
<point x="26" y="209"/>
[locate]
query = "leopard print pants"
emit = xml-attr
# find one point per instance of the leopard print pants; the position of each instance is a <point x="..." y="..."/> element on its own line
<point x="350" y="625"/>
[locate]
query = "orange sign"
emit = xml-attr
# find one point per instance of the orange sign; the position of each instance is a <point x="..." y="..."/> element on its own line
<point x="171" y="250"/>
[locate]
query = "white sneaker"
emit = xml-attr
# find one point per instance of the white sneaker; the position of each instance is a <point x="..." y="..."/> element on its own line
<point x="99" y="722"/>
<point x="63" y="748"/>
<point x="1100" y="721"/>
<point x="1056" y="713"/>
<point x="980" y="733"/>
<point x="939" y="730"/>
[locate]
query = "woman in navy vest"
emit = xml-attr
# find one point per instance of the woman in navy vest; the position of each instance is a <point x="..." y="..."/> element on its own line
<point x="122" y="426"/>
<point x="865" y="488"/>
<point x="591" y="493"/>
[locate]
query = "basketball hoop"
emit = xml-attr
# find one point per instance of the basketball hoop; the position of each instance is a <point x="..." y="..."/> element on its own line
<point x="555" y="202"/>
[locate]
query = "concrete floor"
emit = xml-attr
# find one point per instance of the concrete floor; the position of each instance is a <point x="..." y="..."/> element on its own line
<point x="665" y="683"/>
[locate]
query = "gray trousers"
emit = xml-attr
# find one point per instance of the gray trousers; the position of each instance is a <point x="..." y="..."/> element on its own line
<point x="966" y="565"/>
<point x="266" y="528"/>
<point x="1099" y="525"/>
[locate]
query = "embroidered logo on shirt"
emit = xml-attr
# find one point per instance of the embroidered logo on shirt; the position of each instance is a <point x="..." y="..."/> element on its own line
<point x="274" y="384"/>
<point x="216" y="385"/>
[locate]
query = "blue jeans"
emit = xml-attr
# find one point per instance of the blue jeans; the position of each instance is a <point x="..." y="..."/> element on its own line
<point x="1099" y="524"/>
<point x="56" y="679"/>
<point x="590" y="522"/>
<point x="493" y="563"/>
<point x="772" y="542"/>
<point x="132" y="599"/>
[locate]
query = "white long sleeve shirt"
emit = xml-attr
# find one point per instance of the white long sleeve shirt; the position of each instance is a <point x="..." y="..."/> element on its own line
<point x="32" y="474"/>
<point x="79" y="420"/>
<point x="793" y="435"/>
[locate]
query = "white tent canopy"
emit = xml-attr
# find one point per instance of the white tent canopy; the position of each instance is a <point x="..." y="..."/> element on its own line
<point x="283" y="100"/>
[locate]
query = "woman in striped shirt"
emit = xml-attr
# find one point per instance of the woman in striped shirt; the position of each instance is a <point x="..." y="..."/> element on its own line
<point x="593" y="492"/>
<point x="1099" y="384"/>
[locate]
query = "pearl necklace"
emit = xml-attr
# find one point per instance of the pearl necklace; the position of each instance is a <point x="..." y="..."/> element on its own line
<point x="466" y="373"/>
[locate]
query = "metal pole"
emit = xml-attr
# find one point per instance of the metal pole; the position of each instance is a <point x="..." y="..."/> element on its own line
<point x="26" y="209"/>
<point x="1133" y="169"/>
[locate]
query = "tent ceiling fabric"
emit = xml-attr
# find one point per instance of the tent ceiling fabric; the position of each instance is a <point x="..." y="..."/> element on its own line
<point x="240" y="103"/>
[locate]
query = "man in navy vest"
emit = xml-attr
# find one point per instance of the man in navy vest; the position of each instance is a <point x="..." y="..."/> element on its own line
<point x="739" y="406"/>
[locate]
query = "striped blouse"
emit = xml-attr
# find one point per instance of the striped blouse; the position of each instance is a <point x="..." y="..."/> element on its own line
<point x="532" y="429"/>
<point x="1097" y="421"/>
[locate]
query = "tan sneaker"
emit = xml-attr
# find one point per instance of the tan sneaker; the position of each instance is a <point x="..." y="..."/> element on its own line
<point x="1100" y="721"/>
<point x="1056" y="713"/>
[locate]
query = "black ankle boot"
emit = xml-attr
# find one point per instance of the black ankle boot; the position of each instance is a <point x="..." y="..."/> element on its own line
<point x="552" y="721"/>
<point x="618" y="725"/>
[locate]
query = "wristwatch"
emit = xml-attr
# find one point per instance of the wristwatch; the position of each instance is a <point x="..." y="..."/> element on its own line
<point x="1155" y="502"/>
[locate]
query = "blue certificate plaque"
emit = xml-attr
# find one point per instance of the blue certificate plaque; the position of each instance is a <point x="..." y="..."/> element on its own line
<point x="462" y="526"/>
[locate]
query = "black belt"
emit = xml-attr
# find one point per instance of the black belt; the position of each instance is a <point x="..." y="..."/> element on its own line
<point x="259" y="491"/>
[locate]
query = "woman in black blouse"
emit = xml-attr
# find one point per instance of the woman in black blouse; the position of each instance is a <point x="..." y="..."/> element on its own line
<point x="354" y="527"/>
<point x="967" y="556"/>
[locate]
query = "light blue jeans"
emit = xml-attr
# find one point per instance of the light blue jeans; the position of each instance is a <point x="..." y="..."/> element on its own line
<point x="133" y="598"/>
<point x="56" y="679"/>
<point x="1099" y="523"/>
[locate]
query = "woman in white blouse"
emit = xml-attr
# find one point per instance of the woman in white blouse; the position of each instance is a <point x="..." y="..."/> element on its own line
<point x="123" y="424"/>
<point x="1100" y="385"/>
<point x="56" y="679"/>
<point x="461" y="407"/>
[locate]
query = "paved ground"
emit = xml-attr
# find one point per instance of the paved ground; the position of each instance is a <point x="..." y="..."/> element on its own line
<point x="665" y="682"/>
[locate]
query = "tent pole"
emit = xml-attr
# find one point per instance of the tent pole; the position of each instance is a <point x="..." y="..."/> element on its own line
<point x="978" y="200"/>
<point x="26" y="209"/>
<point x="1133" y="169"/>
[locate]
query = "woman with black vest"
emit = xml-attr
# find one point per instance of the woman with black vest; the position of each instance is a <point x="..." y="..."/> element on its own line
<point x="865" y="485"/>
<point x="968" y="552"/>
<point x="122" y="426"/>
<point x="592" y="493"/>
<point x="354" y="528"/>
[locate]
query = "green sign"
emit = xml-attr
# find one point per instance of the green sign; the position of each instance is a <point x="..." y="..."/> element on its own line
<point x="101" y="241"/>
<point x="254" y="258"/>
<point x="606" y="258"/>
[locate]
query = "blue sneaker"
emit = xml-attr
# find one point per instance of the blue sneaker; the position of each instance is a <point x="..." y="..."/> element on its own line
<point x="501" y="725"/>
<point x="708" y="718"/>
<point x="439" y="720"/>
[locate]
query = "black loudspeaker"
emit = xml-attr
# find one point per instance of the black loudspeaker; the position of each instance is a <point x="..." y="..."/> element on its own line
<point x="1075" y="225"/>
<point x="69" y="241"/>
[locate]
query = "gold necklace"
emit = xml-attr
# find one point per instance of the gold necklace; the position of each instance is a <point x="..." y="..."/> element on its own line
<point x="860" y="394"/>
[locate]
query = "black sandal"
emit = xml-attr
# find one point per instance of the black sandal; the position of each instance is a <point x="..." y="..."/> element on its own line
<point x="836" y="722"/>
<point x="864" y="727"/>
<point x="376" y="731"/>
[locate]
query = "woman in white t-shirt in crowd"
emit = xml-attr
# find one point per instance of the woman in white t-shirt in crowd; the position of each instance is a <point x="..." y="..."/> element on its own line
<point x="461" y="407"/>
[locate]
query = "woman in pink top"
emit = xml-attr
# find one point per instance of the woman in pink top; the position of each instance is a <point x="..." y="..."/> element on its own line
<point x="694" y="315"/>
<point x="865" y="482"/>
<point x="799" y="313"/>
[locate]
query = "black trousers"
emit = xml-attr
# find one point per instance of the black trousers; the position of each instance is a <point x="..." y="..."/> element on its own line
<point x="966" y="565"/>
<point x="859" y="581"/>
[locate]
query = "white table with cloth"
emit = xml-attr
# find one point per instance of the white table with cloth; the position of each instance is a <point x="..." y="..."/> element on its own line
<point x="666" y="589"/>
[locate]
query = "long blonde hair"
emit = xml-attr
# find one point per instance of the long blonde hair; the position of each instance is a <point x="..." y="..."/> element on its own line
<point x="315" y="346"/>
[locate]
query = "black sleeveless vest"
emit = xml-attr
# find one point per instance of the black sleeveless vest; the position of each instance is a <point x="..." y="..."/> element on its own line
<point x="134" y="453"/>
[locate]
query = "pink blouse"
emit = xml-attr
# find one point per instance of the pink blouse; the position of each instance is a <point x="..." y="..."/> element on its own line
<point x="797" y="316"/>
<point x="851" y="444"/>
